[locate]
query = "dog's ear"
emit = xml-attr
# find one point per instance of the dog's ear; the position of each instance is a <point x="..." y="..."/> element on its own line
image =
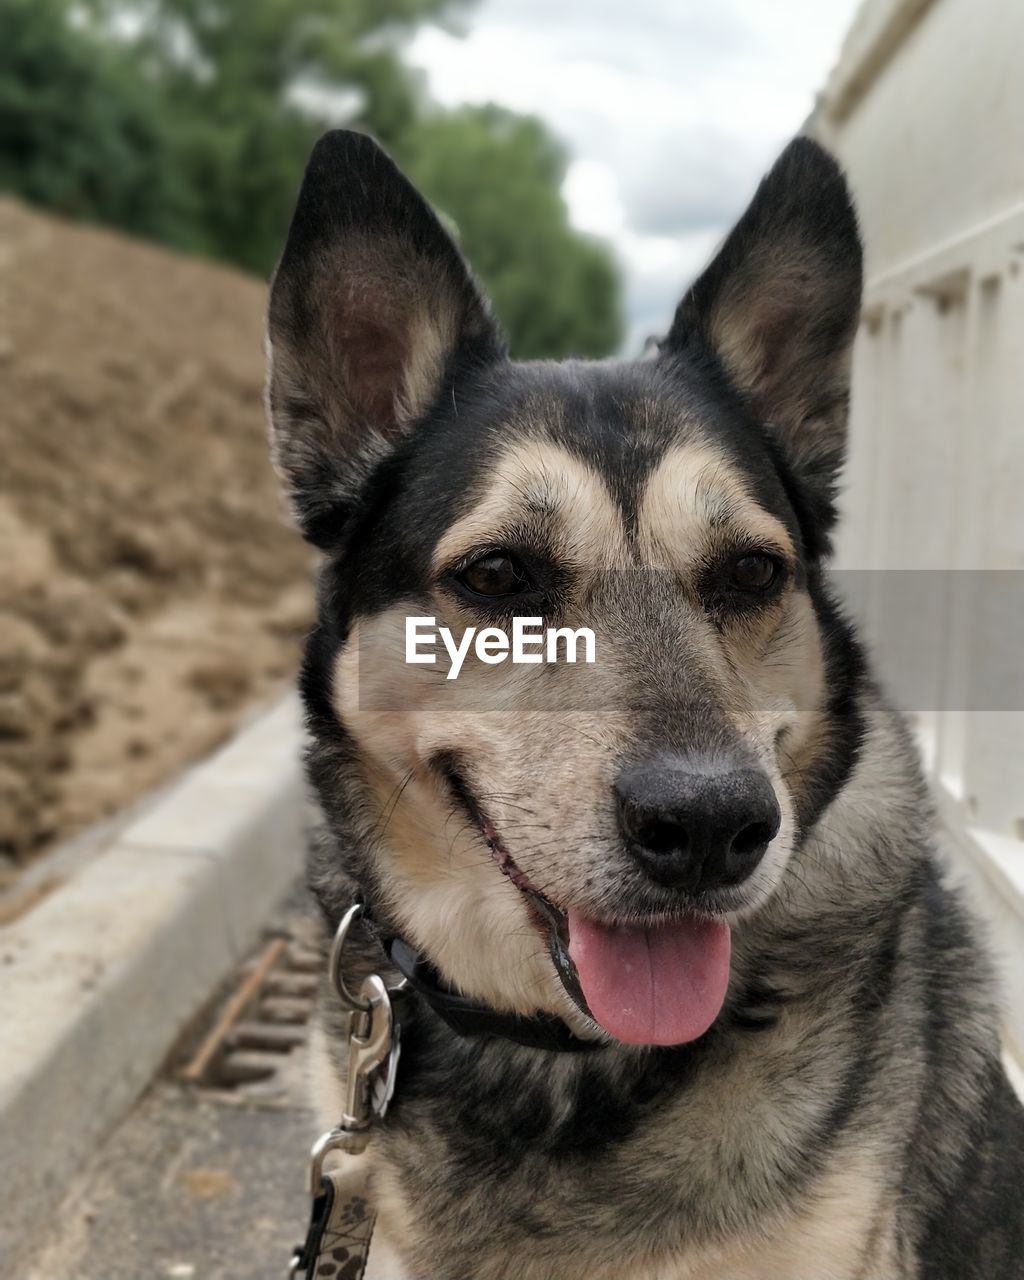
<point x="372" y="314"/>
<point x="779" y="306"/>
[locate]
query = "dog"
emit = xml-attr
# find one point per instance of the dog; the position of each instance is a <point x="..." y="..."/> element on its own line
<point x="725" y="1016"/>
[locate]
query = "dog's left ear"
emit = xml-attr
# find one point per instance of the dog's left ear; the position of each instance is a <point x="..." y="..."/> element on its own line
<point x="373" y="313"/>
<point x="779" y="306"/>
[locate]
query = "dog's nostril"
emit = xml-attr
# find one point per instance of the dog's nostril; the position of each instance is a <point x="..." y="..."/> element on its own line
<point x="752" y="839"/>
<point x="662" y="836"/>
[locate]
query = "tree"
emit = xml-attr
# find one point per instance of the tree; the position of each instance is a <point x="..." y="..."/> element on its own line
<point x="498" y="175"/>
<point x="236" y="77"/>
<point x="190" y="121"/>
<point x="79" y="131"/>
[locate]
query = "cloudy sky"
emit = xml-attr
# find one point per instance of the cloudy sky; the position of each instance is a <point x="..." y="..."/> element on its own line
<point x="671" y="110"/>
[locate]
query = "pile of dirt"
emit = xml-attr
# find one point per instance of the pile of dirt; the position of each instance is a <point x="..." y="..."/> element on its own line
<point x="151" y="591"/>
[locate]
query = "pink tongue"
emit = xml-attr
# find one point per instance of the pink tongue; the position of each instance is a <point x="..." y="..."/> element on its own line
<point x="659" y="985"/>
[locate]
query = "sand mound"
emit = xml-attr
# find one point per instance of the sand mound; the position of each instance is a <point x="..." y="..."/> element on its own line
<point x="151" y="592"/>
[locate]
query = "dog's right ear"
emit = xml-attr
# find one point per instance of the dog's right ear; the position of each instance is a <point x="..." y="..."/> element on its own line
<point x="372" y="314"/>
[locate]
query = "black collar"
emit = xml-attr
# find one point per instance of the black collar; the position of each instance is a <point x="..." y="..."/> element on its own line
<point x="468" y="1018"/>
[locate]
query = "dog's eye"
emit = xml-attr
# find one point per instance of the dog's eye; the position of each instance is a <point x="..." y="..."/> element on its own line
<point x="754" y="571"/>
<point x="497" y="574"/>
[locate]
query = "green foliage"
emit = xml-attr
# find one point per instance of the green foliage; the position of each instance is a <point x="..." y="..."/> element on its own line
<point x="190" y="121"/>
<point x="226" y="74"/>
<point x="497" y="175"/>
<point x="80" y="131"/>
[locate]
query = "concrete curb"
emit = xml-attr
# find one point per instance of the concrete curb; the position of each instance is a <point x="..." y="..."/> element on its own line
<point x="97" y="981"/>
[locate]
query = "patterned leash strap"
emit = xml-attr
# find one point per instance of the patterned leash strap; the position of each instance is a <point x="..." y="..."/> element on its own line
<point x="340" y="1230"/>
<point x="337" y="1242"/>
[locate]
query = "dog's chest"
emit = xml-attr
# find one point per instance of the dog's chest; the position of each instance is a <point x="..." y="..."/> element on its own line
<point x="474" y="1183"/>
<point x="840" y="1229"/>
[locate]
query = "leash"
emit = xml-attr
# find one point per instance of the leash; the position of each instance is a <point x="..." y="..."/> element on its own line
<point x="341" y="1220"/>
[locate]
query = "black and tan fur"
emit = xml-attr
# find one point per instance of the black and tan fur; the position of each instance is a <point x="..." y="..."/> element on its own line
<point x="846" y="1117"/>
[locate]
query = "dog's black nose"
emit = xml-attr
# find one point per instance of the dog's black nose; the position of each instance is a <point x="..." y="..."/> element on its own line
<point x="695" y="826"/>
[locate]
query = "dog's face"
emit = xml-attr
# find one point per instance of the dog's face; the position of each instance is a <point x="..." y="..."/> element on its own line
<point x="556" y="835"/>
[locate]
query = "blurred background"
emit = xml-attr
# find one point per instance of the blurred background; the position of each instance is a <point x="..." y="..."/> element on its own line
<point x="589" y="155"/>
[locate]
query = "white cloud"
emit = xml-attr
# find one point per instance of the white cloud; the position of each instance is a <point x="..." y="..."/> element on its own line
<point x="592" y="193"/>
<point x="657" y="270"/>
<point x="671" y="110"/>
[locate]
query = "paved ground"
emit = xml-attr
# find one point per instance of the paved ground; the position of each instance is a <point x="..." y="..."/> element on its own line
<point x="100" y="973"/>
<point x="196" y="1183"/>
<point x="189" y="1187"/>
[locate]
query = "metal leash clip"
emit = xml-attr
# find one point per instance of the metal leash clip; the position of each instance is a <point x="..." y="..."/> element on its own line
<point x="373" y="1050"/>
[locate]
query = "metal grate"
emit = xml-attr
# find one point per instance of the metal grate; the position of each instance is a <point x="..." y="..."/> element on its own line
<point x="265" y="1017"/>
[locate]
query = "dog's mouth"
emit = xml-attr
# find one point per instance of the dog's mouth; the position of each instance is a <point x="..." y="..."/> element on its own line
<point x="660" y="983"/>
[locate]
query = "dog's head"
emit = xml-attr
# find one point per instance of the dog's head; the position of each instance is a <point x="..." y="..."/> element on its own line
<point x="619" y="816"/>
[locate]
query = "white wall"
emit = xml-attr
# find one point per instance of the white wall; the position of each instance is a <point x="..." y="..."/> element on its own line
<point x="926" y="111"/>
<point x="926" y="108"/>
